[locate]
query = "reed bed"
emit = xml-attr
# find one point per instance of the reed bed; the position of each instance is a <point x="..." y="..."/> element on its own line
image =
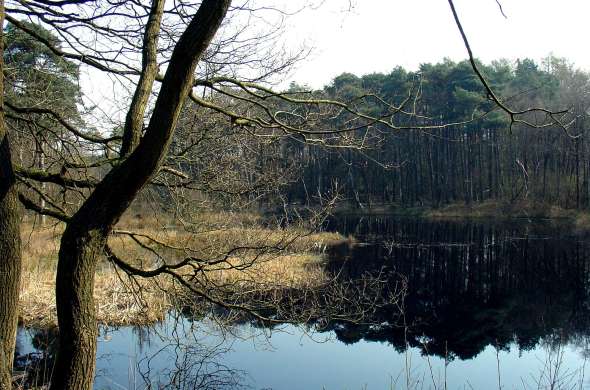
<point x="294" y="260"/>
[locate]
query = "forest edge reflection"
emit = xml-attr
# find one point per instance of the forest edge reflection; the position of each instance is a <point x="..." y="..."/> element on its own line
<point x="469" y="285"/>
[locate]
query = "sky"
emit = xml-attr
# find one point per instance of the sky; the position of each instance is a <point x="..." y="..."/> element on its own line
<point x="365" y="36"/>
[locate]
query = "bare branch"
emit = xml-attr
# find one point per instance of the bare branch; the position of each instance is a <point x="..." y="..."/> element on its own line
<point x="513" y="114"/>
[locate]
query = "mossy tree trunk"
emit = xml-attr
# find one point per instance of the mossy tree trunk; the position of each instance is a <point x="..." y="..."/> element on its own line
<point x="86" y="234"/>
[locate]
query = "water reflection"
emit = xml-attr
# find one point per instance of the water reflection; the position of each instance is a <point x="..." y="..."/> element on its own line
<point x="35" y="357"/>
<point x="480" y="295"/>
<point x="176" y="354"/>
<point x="471" y="284"/>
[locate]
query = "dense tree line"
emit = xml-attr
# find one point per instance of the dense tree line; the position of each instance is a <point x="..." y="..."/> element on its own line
<point x="482" y="157"/>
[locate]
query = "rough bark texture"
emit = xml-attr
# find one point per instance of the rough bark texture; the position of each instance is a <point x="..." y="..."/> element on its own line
<point x="85" y="235"/>
<point x="10" y="244"/>
<point x="134" y="119"/>
<point x="4" y="370"/>
<point x="10" y="262"/>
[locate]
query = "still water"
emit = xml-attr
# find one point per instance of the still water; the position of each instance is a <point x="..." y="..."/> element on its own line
<point x="488" y="305"/>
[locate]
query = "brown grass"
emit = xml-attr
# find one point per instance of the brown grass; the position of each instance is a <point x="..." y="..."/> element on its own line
<point x="582" y="222"/>
<point x="287" y="271"/>
<point x="117" y="300"/>
<point x="572" y="218"/>
<point x="495" y="209"/>
<point x="121" y="301"/>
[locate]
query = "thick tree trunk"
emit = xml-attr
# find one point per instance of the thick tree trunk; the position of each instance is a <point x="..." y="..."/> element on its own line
<point x="10" y="243"/>
<point x="10" y="263"/>
<point x="75" y="364"/>
<point x="86" y="234"/>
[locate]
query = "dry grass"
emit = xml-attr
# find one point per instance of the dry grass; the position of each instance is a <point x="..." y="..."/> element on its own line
<point x="121" y="301"/>
<point x="37" y="298"/>
<point x="495" y="209"/>
<point x="117" y="300"/>
<point x="287" y="271"/>
<point x="576" y="219"/>
<point x="582" y="222"/>
<point x="216" y="219"/>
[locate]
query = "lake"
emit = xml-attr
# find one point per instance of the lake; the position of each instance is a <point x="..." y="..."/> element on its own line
<point x="487" y="305"/>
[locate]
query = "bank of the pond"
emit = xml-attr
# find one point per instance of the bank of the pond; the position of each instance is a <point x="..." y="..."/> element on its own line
<point x="578" y="219"/>
<point x="124" y="301"/>
<point x="485" y="306"/>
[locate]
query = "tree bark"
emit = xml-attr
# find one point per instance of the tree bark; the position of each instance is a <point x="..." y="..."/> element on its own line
<point x="86" y="234"/>
<point x="134" y="119"/>
<point x="10" y="243"/>
<point x="10" y="262"/>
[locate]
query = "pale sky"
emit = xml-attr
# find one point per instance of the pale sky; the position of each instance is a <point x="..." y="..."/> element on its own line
<point x="377" y="35"/>
<point x="365" y="36"/>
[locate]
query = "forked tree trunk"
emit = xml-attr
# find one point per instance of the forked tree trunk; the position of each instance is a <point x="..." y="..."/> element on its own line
<point x="10" y="244"/>
<point x="86" y="234"/>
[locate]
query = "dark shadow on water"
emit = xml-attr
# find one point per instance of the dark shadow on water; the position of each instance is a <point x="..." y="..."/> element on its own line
<point x="470" y="284"/>
<point x="34" y="365"/>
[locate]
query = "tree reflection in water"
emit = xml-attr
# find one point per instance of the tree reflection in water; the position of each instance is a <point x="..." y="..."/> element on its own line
<point x="191" y="363"/>
<point x="168" y="356"/>
<point x="471" y="284"/>
<point x="34" y="364"/>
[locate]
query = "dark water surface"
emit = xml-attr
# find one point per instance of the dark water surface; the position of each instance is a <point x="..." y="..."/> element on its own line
<point x="489" y="305"/>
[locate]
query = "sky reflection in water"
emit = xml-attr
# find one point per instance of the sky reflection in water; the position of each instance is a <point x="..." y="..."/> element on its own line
<point x="478" y="294"/>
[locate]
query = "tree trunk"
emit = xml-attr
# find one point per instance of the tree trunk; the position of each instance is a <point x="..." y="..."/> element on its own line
<point x="78" y="255"/>
<point x="10" y="262"/>
<point x="86" y="234"/>
<point x="10" y="243"/>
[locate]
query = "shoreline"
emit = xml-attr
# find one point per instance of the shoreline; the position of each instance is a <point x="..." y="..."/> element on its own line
<point x="116" y="295"/>
<point x="579" y="219"/>
<point x="122" y="301"/>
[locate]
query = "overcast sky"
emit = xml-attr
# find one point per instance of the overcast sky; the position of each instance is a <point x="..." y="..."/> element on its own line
<point x="377" y="35"/>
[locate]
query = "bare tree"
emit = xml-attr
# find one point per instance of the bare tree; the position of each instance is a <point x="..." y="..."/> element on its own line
<point x="86" y="233"/>
<point x="104" y="200"/>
